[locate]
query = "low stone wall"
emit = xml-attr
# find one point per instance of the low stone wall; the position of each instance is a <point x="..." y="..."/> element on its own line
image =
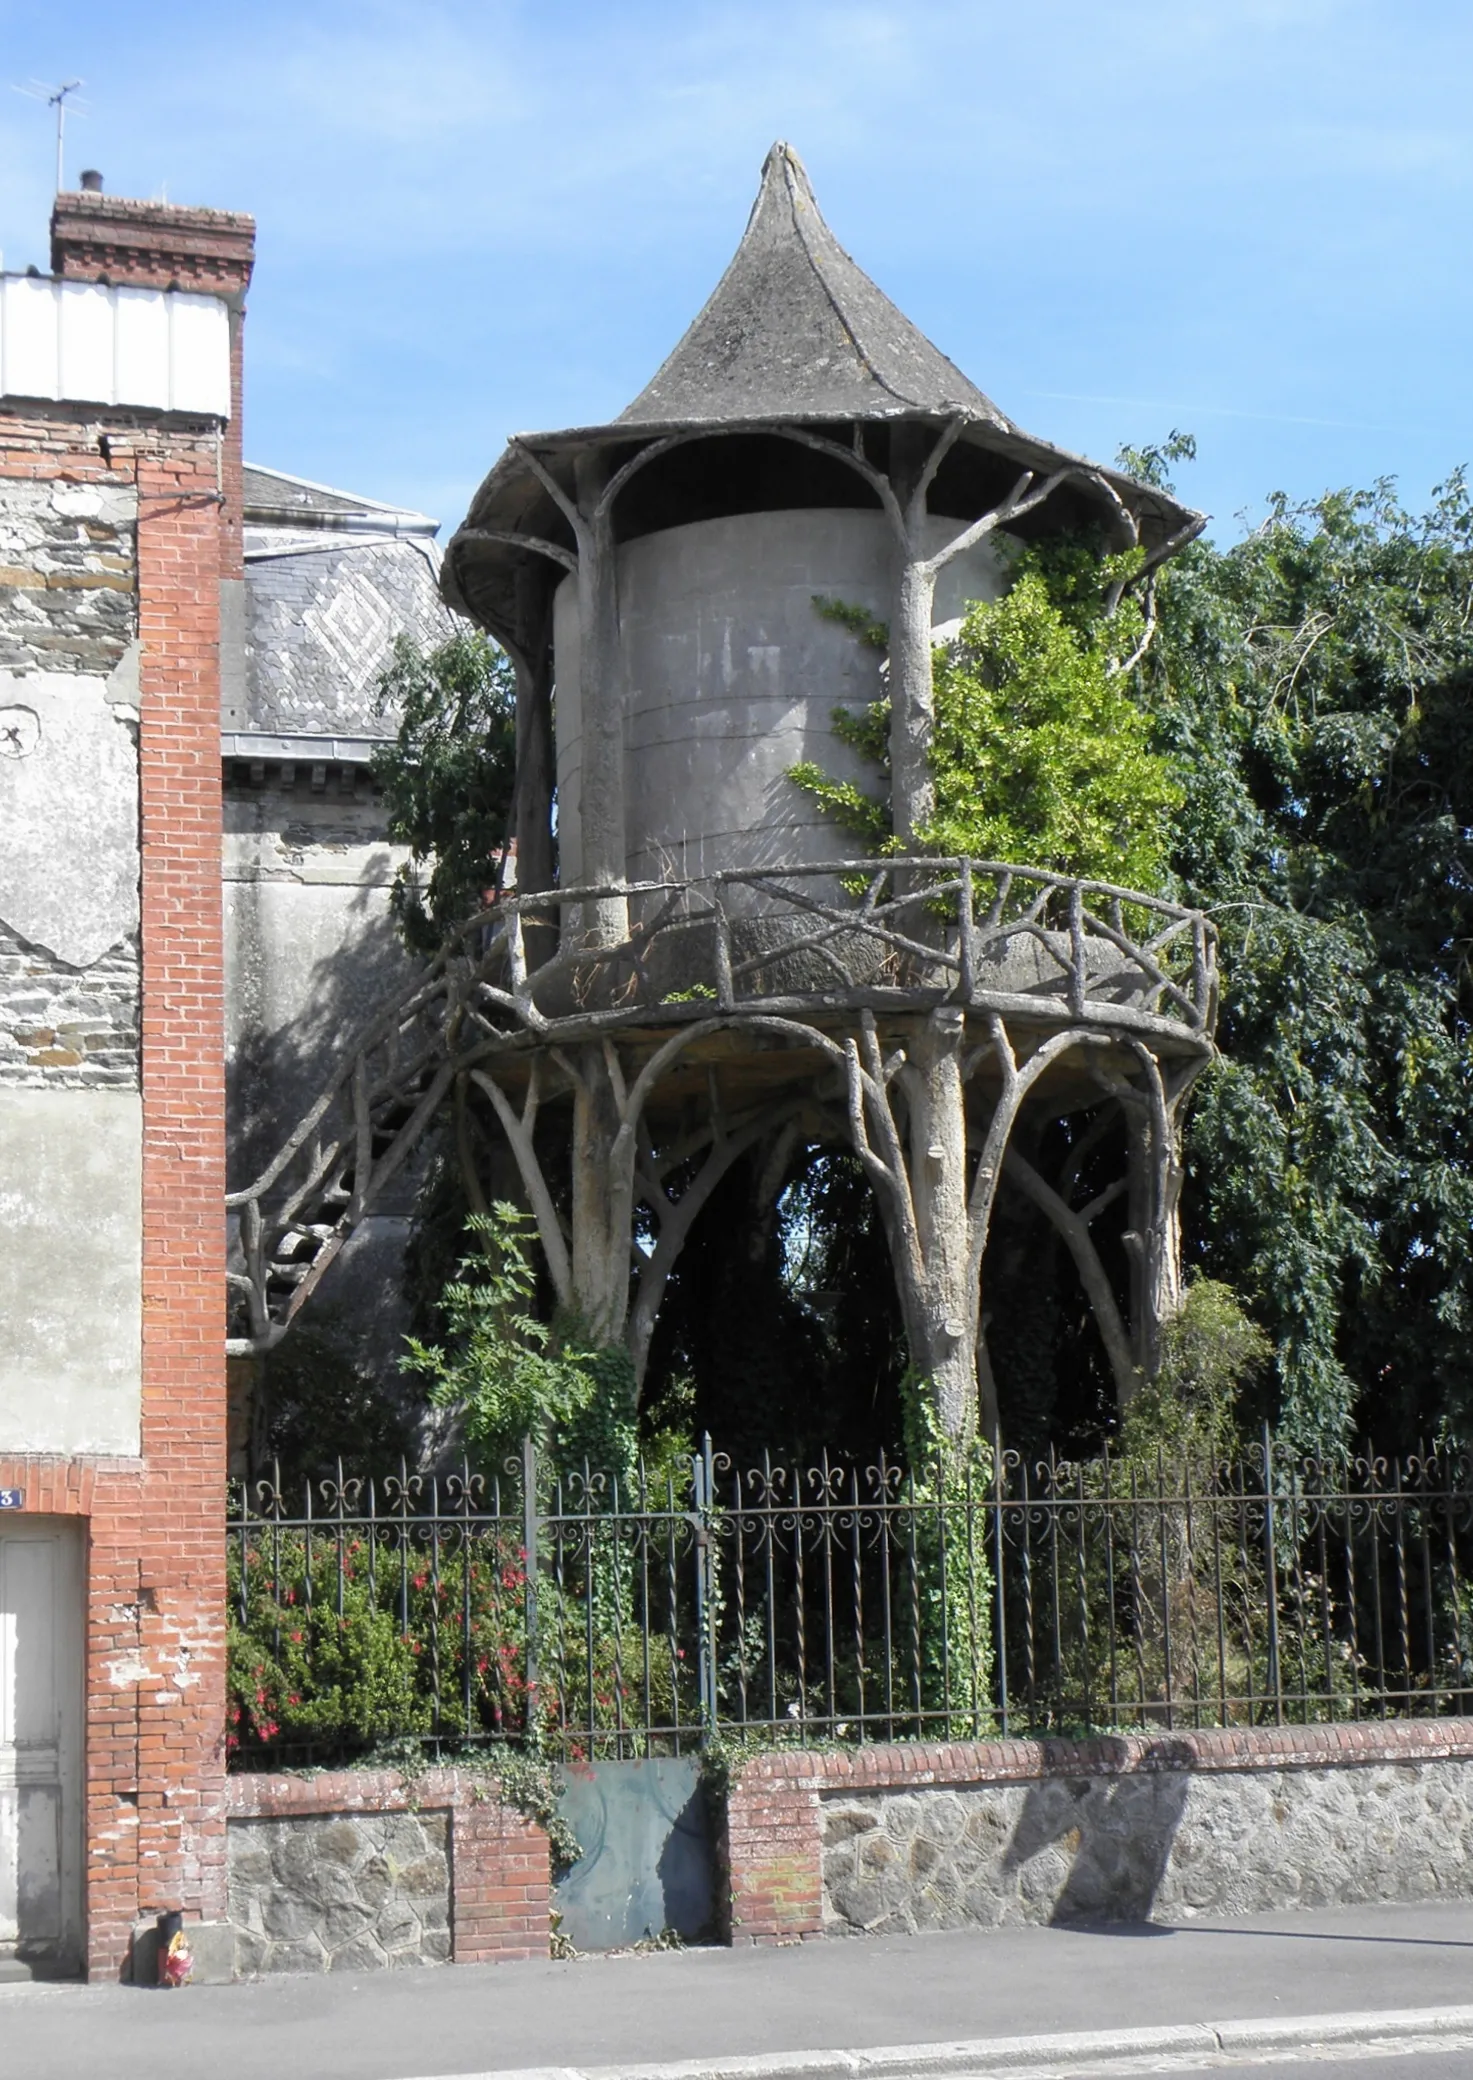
<point x="340" y="1892"/>
<point x="884" y="1840"/>
<point x="361" y="1869"/>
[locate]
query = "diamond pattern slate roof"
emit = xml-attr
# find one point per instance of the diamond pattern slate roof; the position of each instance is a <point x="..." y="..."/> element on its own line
<point x="331" y="580"/>
<point x="794" y="329"/>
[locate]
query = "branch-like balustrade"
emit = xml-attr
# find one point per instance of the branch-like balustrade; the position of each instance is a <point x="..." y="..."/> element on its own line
<point x="823" y="943"/>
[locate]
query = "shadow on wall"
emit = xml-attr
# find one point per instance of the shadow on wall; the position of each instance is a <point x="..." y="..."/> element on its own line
<point x="305" y="976"/>
<point x="309" y="968"/>
<point x="1118" y="1833"/>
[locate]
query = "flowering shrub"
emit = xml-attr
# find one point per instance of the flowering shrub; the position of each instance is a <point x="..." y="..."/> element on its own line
<point x="339" y="1643"/>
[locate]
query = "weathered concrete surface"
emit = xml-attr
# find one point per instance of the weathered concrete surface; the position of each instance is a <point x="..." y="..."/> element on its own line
<point x="70" y="1270"/>
<point x="311" y="949"/>
<point x="342" y="1892"/>
<point x="768" y="2005"/>
<point x="732" y="677"/>
<point x="69" y="810"/>
<point x="1164" y="1845"/>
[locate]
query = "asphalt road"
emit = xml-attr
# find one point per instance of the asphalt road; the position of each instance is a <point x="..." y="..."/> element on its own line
<point x="710" y="2004"/>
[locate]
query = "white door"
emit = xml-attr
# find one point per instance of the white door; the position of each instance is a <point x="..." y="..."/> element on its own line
<point x="40" y="1742"/>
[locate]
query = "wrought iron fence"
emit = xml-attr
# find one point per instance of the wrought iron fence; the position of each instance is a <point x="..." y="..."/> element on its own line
<point x="590" y="1617"/>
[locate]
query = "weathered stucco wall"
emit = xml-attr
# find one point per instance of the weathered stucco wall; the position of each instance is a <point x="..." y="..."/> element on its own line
<point x="70" y="1115"/>
<point x="69" y="864"/>
<point x="732" y="677"/>
<point x="311" y="950"/>
<point x="70" y="1269"/>
<point x="311" y="954"/>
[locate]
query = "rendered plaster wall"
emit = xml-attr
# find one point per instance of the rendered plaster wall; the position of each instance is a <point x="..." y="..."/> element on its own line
<point x="1165" y="1844"/>
<point x="70" y="1270"/>
<point x="70" y="1116"/>
<point x="311" y="955"/>
<point x="340" y="1892"/>
<point x="732" y="676"/>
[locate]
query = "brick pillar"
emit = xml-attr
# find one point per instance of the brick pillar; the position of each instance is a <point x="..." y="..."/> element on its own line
<point x="158" y="1580"/>
<point x="772" y="1852"/>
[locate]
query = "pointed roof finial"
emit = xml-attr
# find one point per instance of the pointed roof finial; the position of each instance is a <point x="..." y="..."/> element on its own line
<point x="794" y="329"/>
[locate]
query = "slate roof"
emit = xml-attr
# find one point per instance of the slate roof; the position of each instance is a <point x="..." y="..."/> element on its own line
<point x="795" y="330"/>
<point x="272" y="496"/>
<point x="331" y="580"/>
<point x="794" y="333"/>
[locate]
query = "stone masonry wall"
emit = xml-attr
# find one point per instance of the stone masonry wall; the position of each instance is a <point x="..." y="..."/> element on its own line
<point x="69" y="718"/>
<point x="342" y="1892"/>
<point x="1167" y="1845"/>
<point x="879" y="1840"/>
<point x="68" y="575"/>
<point x="68" y="1028"/>
<point x="361" y="1868"/>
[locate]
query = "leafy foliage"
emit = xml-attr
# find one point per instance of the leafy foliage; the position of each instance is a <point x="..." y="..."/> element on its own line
<point x="448" y="778"/>
<point x="1212" y="1355"/>
<point x="511" y="1376"/>
<point x="1312" y="686"/>
<point x="1039" y="755"/>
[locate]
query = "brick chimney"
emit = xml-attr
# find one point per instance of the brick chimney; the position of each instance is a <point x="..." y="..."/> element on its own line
<point x="102" y="238"/>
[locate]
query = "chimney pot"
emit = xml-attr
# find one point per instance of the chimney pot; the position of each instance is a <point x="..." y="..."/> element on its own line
<point x="91" y="181"/>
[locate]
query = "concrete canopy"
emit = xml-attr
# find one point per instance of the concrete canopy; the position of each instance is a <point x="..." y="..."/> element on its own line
<point x="796" y="336"/>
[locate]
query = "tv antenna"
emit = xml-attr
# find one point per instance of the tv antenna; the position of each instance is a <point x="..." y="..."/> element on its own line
<point x="56" y="97"/>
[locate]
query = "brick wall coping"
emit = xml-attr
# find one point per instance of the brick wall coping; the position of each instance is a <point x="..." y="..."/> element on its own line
<point x="1107" y="1755"/>
<point x="249" y="1796"/>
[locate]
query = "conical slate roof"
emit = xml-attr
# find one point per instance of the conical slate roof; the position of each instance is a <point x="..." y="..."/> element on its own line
<point x="795" y="329"/>
<point x="794" y="335"/>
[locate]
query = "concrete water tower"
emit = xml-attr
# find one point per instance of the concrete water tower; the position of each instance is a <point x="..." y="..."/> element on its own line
<point x="685" y="968"/>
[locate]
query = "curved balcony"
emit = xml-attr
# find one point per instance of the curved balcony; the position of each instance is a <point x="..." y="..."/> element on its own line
<point x="769" y="954"/>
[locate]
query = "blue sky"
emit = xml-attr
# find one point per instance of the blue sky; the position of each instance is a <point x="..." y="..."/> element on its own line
<point x="1246" y="218"/>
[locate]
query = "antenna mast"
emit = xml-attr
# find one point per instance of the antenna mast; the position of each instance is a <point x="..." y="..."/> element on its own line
<point x="57" y="101"/>
<point x="55" y="97"/>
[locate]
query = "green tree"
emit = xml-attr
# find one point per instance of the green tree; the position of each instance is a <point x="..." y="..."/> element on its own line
<point x="447" y="778"/>
<point x="1312" y="687"/>
<point x="509" y="1375"/>
<point x="1040" y="754"/>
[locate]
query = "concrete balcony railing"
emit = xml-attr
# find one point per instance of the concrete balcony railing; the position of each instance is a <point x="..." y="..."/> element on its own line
<point x="823" y="943"/>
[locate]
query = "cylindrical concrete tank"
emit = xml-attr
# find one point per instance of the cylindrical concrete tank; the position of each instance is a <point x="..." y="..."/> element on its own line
<point x="732" y="677"/>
